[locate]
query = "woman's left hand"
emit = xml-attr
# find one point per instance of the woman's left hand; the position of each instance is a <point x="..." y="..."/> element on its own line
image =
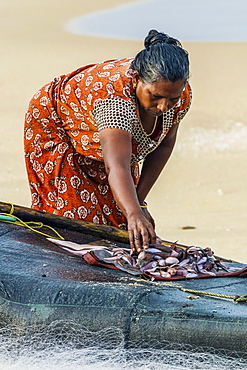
<point x="148" y="216"/>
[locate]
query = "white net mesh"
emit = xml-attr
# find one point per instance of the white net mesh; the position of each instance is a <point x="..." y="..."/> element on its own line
<point x="62" y="346"/>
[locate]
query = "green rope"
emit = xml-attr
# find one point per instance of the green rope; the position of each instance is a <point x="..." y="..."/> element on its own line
<point x="236" y="298"/>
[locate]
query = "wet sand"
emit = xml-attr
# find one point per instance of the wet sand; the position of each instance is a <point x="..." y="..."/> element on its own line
<point x="203" y="185"/>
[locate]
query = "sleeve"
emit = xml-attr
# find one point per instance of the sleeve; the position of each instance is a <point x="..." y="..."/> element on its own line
<point x="115" y="113"/>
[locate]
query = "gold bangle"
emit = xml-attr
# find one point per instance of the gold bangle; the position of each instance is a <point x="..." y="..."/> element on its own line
<point x="144" y="205"/>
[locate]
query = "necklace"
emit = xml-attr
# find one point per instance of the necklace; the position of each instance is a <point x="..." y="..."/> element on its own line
<point x="154" y="126"/>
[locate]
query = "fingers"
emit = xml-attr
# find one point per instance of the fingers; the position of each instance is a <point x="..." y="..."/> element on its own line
<point x="153" y="237"/>
<point x="149" y="217"/>
<point x="145" y="239"/>
<point x="135" y="241"/>
<point x="140" y="237"/>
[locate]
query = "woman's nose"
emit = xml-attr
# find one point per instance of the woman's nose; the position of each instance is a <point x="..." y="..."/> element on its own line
<point x="163" y="105"/>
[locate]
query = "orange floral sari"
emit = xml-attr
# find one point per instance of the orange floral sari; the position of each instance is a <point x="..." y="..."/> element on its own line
<point x="63" y="154"/>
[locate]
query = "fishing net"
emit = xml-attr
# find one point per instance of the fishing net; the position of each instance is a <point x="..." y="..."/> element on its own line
<point x="67" y="345"/>
<point x="59" y="312"/>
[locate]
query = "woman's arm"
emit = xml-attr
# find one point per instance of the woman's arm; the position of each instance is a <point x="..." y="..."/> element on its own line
<point x="117" y="149"/>
<point x="155" y="162"/>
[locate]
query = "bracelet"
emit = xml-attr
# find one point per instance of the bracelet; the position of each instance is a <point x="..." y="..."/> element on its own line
<point x="144" y="205"/>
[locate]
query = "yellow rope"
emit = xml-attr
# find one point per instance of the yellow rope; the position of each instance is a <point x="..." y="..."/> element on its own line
<point x="30" y="225"/>
<point x="12" y="208"/>
<point x="236" y="298"/>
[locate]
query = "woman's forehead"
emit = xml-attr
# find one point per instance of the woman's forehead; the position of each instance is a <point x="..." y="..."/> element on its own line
<point x="163" y="86"/>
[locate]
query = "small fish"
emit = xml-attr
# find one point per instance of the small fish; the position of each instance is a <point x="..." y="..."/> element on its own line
<point x="104" y="255"/>
<point x="78" y="249"/>
<point x="165" y="274"/>
<point x="220" y="265"/>
<point x="171" y="260"/>
<point x="113" y="258"/>
<point x="151" y="266"/>
<point x="143" y="258"/>
<point x="162" y="247"/>
<point x="156" y="261"/>
<point x="153" y="250"/>
<point x="130" y="269"/>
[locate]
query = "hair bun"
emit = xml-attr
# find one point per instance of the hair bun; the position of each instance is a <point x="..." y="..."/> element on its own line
<point x="154" y="37"/>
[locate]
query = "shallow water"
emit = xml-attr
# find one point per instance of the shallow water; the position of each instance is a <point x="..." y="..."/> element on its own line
<point x="194" y="21"/>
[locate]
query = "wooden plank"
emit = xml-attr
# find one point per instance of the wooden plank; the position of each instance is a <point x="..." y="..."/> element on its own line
<point x="103" y="231"/>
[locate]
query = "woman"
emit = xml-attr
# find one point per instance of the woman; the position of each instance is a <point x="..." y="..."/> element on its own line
<point x="86" y="132"/>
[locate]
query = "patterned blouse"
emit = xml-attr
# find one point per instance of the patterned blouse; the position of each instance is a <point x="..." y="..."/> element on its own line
<point x="101" y="96"/>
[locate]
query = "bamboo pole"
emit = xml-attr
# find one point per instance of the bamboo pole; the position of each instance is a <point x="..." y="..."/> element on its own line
<point x="103" y="231"/>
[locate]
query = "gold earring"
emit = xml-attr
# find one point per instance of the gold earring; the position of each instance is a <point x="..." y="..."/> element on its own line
<point x="134" y="85"/>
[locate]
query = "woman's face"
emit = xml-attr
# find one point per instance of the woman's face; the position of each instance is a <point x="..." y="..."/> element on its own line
<point x="158" y="97"/>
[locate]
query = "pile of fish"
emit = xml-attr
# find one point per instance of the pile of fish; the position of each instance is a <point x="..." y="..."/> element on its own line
<point x="159" y="261"/>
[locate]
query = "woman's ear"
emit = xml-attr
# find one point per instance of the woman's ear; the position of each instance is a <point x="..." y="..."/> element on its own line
<point x="135" y="78"/>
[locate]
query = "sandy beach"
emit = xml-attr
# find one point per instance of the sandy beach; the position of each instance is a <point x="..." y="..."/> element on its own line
<point x="201" y="197"/>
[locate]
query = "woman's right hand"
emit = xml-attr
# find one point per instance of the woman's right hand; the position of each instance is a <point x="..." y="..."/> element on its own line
<point x="141" y="232"/>
<point x="117" y="151"/>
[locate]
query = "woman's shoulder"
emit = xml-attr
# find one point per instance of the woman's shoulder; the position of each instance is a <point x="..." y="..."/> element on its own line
<point x="122" y="64"/>
<point x="108" y="68"/>
<point x="111" y="71"/>
<point x="109" y="79"/>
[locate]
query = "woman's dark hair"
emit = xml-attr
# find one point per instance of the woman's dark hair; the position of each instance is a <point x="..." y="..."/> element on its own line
<point x="163" y="57"/>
